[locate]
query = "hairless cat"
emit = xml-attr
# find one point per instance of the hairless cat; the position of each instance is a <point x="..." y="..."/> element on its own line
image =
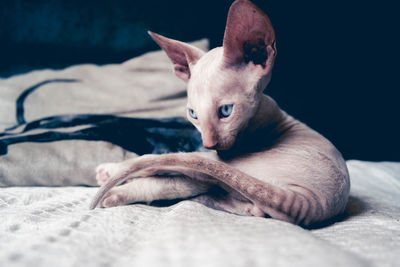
<point x="263" y="161"/>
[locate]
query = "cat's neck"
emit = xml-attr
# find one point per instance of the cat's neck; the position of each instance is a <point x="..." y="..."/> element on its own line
<point x="262" y="130"/>
<point x="267" y="117"/>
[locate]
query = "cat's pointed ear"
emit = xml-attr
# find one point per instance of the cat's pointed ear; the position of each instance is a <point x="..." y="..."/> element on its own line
<point x="249" y="36"/>
<point x="182" y="55"/>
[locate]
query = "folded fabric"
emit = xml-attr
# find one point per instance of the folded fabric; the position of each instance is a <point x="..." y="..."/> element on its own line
<point x="56" y="126"/>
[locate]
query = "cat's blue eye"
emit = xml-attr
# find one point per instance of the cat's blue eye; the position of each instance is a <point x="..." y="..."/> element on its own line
<point x="192" y="113"/>
<point x="225" y="111"/>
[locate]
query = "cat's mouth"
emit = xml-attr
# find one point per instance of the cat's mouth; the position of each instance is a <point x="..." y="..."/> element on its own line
<point x="219" y="146"/>
<point x="219" y="142"/>
<point x="223" y="146"/>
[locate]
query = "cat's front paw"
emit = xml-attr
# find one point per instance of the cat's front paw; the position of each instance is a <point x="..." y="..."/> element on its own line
<point x="113" y="199"/>
<point x="105" y="171"/>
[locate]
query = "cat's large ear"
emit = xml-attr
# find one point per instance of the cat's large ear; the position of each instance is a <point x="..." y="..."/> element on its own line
<point x="182" y="55"/>
<point x="249" y="36"/>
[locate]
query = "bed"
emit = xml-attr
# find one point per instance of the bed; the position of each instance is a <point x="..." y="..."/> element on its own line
<point x="56" y="126"/>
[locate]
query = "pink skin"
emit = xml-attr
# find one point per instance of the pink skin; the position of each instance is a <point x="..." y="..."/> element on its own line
<point x="266" y="162"/>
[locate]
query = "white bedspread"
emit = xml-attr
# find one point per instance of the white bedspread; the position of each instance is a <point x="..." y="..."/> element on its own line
<point x="44" y="226"/>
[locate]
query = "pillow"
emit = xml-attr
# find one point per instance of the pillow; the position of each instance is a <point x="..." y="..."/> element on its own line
<point x="56" y="126"/>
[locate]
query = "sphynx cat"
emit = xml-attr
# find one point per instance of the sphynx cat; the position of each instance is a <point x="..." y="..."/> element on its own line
<point x="262" y="161"/>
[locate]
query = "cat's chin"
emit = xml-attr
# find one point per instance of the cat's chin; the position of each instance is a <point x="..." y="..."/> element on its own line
<point x="223" y="147"/>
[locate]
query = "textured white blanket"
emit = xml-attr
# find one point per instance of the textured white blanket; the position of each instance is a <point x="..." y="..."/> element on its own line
<point x="43" y="226"/>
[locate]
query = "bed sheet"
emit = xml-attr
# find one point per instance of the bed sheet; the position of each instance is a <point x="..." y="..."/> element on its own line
<point x="52" y="226"/>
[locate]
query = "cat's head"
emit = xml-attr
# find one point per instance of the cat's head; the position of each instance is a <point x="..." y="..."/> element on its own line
<point x="225" y="84"/>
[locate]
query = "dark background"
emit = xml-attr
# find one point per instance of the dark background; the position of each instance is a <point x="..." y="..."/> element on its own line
<point x="337" y="68"/>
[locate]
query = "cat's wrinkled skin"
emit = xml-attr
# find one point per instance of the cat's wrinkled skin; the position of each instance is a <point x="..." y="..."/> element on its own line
<point x="266" y="162"/>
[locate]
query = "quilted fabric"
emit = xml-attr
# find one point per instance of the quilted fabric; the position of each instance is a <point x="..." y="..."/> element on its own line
<point x="44" y="226"/>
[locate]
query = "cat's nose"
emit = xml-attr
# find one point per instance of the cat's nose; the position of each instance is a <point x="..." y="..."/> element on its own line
<point x="209" y="138"/>
<point x="210" y="143"/>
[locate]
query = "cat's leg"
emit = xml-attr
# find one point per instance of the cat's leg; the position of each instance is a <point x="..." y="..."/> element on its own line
<point x="148" y="189"/>
<point x="293" y="203"/>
